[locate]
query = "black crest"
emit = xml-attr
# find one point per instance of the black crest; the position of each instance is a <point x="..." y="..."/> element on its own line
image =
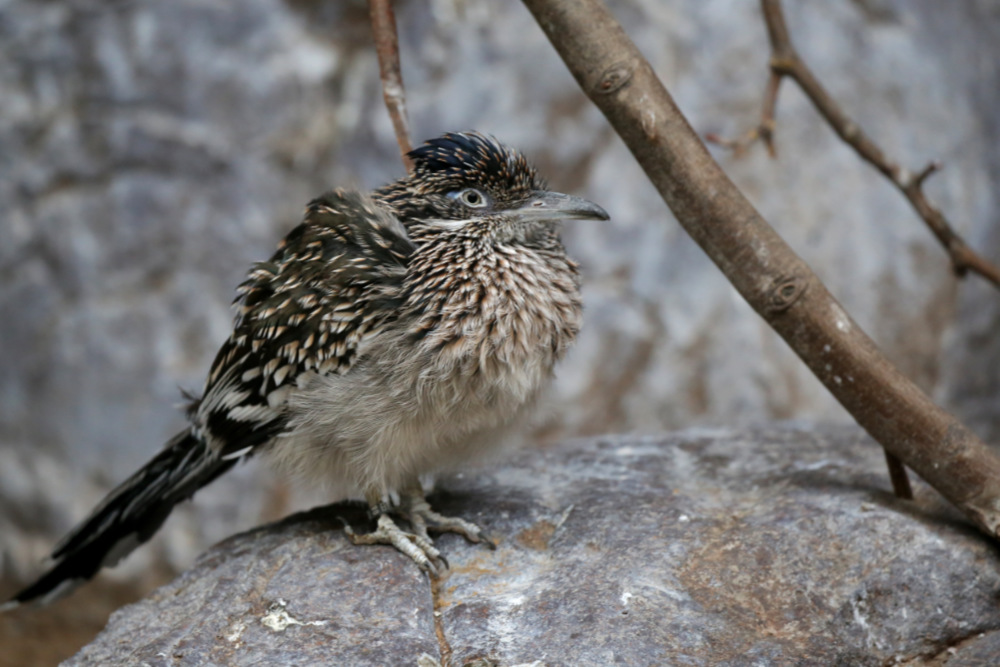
<point x="474" y="158"/>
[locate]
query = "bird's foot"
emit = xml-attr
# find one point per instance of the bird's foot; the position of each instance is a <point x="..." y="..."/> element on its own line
<point x="420" y="515"/>
<point x="418" y="546"/>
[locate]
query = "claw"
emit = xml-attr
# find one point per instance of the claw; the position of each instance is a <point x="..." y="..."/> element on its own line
<point x="420" y="549"/>
<point x="420" y="515"/>
<point x="490" y="541"/>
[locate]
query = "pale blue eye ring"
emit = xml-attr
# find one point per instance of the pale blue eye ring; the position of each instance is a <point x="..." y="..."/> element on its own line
<point x="471" y="197"/>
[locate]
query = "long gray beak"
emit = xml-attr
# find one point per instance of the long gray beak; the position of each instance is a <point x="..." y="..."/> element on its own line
<point x="544" y="205"/>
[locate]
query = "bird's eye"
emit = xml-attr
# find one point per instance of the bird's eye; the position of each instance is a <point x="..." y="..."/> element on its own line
<point x="472" y="198"/>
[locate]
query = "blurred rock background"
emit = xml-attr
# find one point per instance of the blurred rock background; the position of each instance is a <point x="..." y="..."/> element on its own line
<point x="149" y="152"/>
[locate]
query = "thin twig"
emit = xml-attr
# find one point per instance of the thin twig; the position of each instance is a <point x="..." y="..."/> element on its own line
<point x="767" y="273"/>
<point x="897" y="475"/>
<point x="764" y="132"/>
<point x="785" y="61"/>
<point x="387" y="46"/>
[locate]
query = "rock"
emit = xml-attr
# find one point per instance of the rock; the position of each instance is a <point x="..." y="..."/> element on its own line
<point x="776" y="546"/>
<point x="262" y="600"/>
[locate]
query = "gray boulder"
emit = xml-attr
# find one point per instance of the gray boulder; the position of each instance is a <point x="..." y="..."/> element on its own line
<point x="776" y="546"/>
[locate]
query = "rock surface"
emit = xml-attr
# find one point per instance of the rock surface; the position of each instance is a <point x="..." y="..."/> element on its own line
<point x="776" y="546"/>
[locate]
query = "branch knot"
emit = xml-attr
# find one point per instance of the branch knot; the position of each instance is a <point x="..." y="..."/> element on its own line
<point x="614" y="78"/>
<point x="785" y="291"/>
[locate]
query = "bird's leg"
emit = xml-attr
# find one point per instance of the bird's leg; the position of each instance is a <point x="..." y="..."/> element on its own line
<point x="418" y="512"/>
<point x="418" y="546"/>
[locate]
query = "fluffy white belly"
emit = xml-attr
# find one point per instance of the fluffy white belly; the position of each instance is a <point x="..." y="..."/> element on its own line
<point x="384" y="423"/>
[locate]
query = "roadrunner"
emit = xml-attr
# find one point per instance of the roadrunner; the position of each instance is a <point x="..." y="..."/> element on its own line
<point x="390" y="336"/>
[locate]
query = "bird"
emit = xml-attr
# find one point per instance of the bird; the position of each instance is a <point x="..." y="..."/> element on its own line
<point x="391" y="336"/>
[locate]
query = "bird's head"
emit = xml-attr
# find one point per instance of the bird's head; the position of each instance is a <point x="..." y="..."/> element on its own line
<point x="471" y="184"/>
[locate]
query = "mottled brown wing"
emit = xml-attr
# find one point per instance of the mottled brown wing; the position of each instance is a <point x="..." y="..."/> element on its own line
<point x="334" y="280"/>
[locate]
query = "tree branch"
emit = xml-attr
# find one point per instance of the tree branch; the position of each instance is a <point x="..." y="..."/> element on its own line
<point x="785" y="61"/>
<point x="769" y="275"/>
<point x="387" y="46"/>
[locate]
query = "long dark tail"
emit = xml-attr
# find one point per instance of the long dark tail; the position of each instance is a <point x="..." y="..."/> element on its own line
<point x="127" y="517"/>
